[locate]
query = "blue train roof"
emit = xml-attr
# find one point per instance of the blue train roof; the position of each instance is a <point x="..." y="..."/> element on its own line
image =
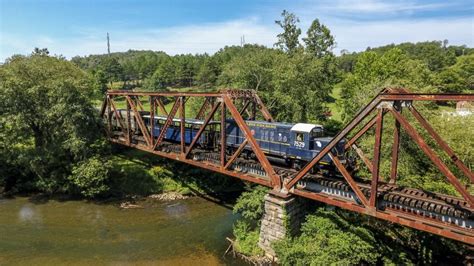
<point x="187" y="120"/>
<point x="266" y="124"/>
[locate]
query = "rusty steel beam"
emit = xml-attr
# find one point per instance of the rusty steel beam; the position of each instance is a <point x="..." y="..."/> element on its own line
<point x="395" y="147"/>
<point x="201" y="129"/>
<point x="244" y="108"/>
<point x="376" y="159"/>
<point x="208" y="166"/>
<point x="163" y="94"/>
<point x="139" y="103"/>
<point x="138" y="120"/>
<point x="109" y="116"/>
<point x="223" y="133"/>
<point x="425" y="97"/>
<point x="276" y="182"/>
<point x="202" y="110"/>
<point x="432" y="156"/>
<point x="236" y="154"/>
<point x="161" y="105"/>
<point x="349" y="179"/>
<point x="169" y="120"/>
<point x="362" y="156"/>
<point x="152" y="120"/>
<point x="118" y="116"/>
<point x="361" y="132"/>
<point x="129" y="124"/>
<point x="263" y="109"/>
<point x="182" y="124"/>
<point x="104" y="105"/>
<point x="430" y="226"/>
<point x="442" y="143"/>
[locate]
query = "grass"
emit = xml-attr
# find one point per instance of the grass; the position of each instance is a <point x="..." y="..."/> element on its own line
<point x="335" y="106"/>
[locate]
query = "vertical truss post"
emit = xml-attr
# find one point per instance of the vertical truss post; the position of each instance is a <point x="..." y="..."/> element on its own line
<point x="138" y="120"/>
<point x="152" y="120"/>
<point x="396" y="145"/>
<point x="376" y="159"/>
<point x="182" y="125"/>
<point x="129" y="124"/>
<point x="109" y="117"/>
<point x="223" y="133"/>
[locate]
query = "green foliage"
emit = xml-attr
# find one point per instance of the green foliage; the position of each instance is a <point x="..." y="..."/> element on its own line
<point x="288" y="39"/>
<point x="251" y="203"/>
<point x="48" y="124"/>
<point x="327" y="239"/>
<point x="91" y="176"/>
<point x="374" y="72"/>
<point x="457" y="78"/>
<point x="294" y="88"/>
<point x="435" y="54"/>
<point x="246" y="239"/>
<point x="319" y="41"/>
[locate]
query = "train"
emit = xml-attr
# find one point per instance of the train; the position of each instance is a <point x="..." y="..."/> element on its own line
<point x="289" y="144"/>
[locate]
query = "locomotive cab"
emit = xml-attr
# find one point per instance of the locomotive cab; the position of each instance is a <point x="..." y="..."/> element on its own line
<point x="304" y="136"/>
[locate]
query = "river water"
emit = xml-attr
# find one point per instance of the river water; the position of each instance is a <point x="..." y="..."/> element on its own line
<point x="182" y="232"/>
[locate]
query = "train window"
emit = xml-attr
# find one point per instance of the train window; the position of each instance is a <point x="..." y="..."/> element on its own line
<point x="272" y="136"/>
<point x="299" y="136"/>
<point x="317" y="132"/>
<point x="280" y="137"/>
<point x="285" y="139"/>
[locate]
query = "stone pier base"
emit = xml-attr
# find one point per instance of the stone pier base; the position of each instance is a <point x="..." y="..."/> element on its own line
<point x="282" y="217"/>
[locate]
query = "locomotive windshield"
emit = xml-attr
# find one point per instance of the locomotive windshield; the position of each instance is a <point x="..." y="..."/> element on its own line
<point x="317" y="132"/>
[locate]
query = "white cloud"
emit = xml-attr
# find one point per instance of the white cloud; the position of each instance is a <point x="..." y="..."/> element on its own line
<point x="173" y="40"/>
<point x="378" y="6"/>
<point x="350" y="34"/>
<point x="356" y="36"/>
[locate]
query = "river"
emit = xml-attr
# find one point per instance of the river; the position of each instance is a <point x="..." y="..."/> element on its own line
<point x="182" y="232"/>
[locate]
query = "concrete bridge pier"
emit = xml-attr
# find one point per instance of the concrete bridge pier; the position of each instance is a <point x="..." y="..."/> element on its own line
<point x="282" y="217"/>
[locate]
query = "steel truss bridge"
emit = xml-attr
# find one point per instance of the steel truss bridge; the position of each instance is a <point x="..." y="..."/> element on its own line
<point x="447" y="216"/>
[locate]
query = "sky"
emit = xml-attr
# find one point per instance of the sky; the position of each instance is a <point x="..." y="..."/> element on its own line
<point x="71" y="28"/>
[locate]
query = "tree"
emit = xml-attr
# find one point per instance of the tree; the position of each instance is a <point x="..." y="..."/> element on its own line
<point x="48" y="124"/>
<point x="319" y="41"/>
<point x="164" y="76"/>
<point x="374" y="71"/>
<point x="112" y="69"/>
<point x="327" y="239"/>
<point x="288" y="39"/>
<point x="41" y="52"/>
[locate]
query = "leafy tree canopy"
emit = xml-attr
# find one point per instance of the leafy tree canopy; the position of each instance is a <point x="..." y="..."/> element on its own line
<point x="48" y="124"/>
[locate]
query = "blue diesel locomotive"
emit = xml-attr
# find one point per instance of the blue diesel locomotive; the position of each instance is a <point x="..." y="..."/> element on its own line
<point x="291" y="144"/>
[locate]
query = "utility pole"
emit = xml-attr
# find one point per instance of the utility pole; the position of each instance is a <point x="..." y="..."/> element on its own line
<point x="108" y="44"/>
<point x="242" y="40"/>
